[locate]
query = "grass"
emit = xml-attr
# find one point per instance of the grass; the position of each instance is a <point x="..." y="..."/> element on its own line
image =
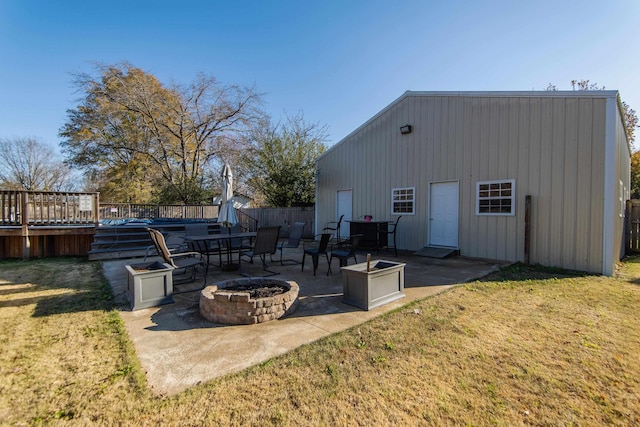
<point x="525" y="346"/>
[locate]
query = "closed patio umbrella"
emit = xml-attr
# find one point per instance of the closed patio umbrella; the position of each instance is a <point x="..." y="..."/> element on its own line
<point x="227" y="216"/>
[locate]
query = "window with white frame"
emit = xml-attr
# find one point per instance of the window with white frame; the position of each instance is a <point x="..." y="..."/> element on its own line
<point x="403" y="201"/>
<point x="496" y="197"/>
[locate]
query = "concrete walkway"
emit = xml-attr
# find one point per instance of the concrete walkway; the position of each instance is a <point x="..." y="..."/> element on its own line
<point x="178" y="348"/>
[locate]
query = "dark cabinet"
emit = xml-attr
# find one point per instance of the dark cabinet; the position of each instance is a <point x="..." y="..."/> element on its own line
<point x="374" y="233"/>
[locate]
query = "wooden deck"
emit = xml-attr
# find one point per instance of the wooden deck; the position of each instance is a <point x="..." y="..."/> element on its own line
<point x="45" y="241"/>
<point x="43" y="223"/>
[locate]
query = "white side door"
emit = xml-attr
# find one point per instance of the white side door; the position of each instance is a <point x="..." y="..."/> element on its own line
<point x="443" y="214"/>
<point x="345" y="207"/>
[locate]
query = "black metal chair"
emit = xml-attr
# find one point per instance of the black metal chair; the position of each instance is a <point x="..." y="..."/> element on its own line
<point x="393" y="228"/>
<point x="292" y="242"/>
<point x="333" y="226"/>
<point x="345" y="251"/>
<point x="182" y="262"/>
<point x="317" y="250"/>
<point x="266" y="243"/>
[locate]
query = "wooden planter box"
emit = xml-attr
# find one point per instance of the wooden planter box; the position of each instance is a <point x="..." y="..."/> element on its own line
<point x="149" y="284"/>
<point x="371" y="289"/>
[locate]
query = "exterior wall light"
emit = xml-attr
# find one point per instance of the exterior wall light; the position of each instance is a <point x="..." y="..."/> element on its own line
<point x="405" y="129"/>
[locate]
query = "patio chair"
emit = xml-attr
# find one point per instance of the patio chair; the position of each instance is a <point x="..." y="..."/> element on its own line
<point x="333" y="226"/>
<point x="292" y="242"/>
<point x="174" y="241"/>
<point x="182" y="262"/>
<point x="393" y="227"/>
<point x="266" y="243"/>
<point x="316" y="251"/>
<point x="207" y="248"/>
<point x="345" y="251"/>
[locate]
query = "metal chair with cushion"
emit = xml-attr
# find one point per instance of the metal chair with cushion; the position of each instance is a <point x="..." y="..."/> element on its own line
<point x="182" y="262"/>
<point x="266" y="243"/>
<point x="292" y="242"/>
<point x="345" y="251"/>
<point x="316" y="250"/>
<point x="174" y="241"/>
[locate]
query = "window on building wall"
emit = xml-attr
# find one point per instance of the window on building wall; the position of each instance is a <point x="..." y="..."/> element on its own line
<point x="403" y="201"/>
<point x="496" y="197"/>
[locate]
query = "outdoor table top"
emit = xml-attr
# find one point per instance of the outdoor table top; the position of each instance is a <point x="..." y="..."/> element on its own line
<point x="220" y="236"/>
<point x="200" y="240"/>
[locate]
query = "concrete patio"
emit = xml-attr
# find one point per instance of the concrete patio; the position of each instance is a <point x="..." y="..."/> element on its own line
<point x="178" y="348"/>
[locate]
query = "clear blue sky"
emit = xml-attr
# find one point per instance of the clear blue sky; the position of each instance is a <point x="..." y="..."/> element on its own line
<point x="339" y="62"/>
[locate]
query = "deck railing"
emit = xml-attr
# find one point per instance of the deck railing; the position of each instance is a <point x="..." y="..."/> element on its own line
<point x="33" y="208"/>
<point x="148" y="211"/>
<point x="138" y="210"/>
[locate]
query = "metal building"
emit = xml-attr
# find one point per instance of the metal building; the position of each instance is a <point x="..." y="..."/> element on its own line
<point x="466" y="169"/>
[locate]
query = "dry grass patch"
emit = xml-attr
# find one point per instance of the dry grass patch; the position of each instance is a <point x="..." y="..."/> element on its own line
<point x="526" y="346"/>
<point x="64" y="350"/>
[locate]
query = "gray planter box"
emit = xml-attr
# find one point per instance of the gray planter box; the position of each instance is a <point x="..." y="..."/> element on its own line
<point x="371" y="289"/>
<point x="149" y="284"/>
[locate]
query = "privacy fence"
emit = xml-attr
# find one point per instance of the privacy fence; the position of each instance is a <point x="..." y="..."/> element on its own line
<point x="632" y="229"/>
<point x="251" y="218"/>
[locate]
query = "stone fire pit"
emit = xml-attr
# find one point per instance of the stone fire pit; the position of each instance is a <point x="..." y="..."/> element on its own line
<point x="248" y="300"/>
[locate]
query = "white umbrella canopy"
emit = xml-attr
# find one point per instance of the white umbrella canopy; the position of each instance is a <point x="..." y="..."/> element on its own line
<point x="227" y="216"/>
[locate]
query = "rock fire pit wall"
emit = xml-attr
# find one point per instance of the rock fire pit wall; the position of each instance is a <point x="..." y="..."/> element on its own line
<point x="221" y="305"/>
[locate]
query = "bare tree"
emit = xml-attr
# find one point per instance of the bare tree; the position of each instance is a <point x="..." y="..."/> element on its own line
<point x="585" y="85"/>
<point x="28" y="164"/>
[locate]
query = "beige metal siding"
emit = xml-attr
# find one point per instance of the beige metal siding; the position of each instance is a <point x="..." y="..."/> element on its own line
<point x="552" y="145"/>
<point x="597" y="179"/>
<point x="623" y="170"/>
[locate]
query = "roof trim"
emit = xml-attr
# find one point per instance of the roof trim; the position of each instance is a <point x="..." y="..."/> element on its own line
<point x="521" y="94"/>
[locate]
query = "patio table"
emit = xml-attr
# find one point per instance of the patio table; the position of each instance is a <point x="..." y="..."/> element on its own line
<point x="202" y="241"/>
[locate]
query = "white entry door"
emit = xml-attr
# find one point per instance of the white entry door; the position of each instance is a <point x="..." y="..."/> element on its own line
<point x="345" y="207"/>
<point x="443" y="214"/>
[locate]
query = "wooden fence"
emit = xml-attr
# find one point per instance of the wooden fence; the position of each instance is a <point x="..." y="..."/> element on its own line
<point x="284" y="217"/>
<point x="632" y="231"/>
<point x="250" y="218"/>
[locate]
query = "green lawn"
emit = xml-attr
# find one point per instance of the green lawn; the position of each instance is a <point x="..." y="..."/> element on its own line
<point x="526" y="346"/>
